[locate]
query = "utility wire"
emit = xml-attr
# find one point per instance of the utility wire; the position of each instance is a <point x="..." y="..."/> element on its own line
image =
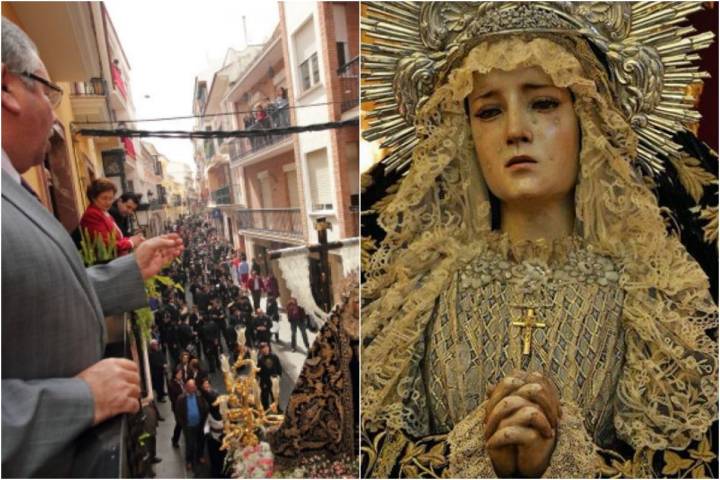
<point x="209" y="115"/>
<point x="205" y="134"/>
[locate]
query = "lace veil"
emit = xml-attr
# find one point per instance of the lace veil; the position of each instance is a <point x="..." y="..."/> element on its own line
<point x="439" y="217"/>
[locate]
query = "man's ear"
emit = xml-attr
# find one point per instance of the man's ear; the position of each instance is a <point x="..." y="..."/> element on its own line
<point x="9" y="85"/>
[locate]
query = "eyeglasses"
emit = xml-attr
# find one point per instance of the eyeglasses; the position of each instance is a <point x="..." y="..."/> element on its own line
<point x="53" y="93"/>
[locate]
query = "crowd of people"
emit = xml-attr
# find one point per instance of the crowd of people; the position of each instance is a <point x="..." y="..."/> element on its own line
<point x="227" y="294"/>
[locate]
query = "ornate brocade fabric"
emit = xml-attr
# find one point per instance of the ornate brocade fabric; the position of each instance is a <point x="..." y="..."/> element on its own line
<point x="471" y="342"/>
<point x="320" y="416"/>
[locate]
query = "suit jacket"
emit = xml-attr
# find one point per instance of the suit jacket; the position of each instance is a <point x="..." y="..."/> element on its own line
<point x="175" y="389"/>
<point x="181" y="409"/>
<point x="122" y="222"/>
<point x="250" y="283"/>
<point x="52" y="329"/>
<point x="100" y="223"/>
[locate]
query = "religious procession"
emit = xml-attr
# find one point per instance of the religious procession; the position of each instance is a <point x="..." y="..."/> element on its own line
<point x="180" y="240"/>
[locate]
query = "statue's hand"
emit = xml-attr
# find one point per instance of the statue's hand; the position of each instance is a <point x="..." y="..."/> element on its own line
<point x="533" y="449"/>
<point x="504" y="459"/>
<point x="520" y="427"/>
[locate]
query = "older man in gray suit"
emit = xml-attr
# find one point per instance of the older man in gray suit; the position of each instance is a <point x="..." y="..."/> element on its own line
<point x="54" y="383"/>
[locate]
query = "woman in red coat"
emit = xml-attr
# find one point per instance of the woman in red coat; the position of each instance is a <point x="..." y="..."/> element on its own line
<point x="98" y="221"/>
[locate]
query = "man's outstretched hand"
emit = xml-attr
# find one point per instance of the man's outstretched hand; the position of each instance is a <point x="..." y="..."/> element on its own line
<point x="153" y="254"/>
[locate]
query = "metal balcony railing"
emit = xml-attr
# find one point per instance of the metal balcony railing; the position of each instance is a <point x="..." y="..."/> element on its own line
<point x="114" y="448"/>
<point x="278" y="116"/>
<point x="93" y="87"/>
<point x="285" y="221"/>
<point x="221" y="196"/>
<point x="349" y="84"/>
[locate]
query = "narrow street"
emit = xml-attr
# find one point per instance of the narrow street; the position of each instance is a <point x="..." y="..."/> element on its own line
<point x="173" y="459"/>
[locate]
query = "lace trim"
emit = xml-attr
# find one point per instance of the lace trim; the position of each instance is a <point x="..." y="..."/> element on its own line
<point x="439" y="217"/>
<point x="574" y="455"/>
<point x="468" y="457"/>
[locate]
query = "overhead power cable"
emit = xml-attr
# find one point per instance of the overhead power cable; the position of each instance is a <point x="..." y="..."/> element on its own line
<point x="208" y="115"/>
<point x="205" y="134"/>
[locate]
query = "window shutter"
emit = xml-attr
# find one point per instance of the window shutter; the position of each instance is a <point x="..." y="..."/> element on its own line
<point x="293" y="197"/>
<point x="265" y="191"/>
<point x="319" y="173"/>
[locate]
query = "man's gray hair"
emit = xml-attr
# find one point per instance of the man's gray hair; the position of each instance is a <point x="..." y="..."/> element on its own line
<point x="19" y="53"/>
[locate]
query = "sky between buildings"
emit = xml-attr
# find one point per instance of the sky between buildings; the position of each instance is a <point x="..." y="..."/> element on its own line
<point x="168" y="43"/>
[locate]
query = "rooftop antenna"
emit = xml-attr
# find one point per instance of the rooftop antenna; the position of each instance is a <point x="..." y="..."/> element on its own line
<point x="245" y="35"/>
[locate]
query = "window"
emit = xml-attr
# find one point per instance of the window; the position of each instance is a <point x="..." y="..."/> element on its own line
<point x="292" y="188"/>
<point x="266" y="199"/>
<point x="209" y="146"/>
<point x="306" y="55"/>
<point x="237" y="185"/>
<point x="341" y="53"/>
<point x="310" y="72"/>
<point x="319" y="175"/>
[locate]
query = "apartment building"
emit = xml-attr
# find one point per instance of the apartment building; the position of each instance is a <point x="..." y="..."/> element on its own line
<point x="267" y="212"/>
<point x="84" y="56"/>
<point x="321" y="52"/>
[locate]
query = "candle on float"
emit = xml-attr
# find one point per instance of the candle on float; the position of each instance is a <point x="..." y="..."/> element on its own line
<point x="240" y="336"/>
<point x="275" y="388"/>
<point x="224" y="363"/>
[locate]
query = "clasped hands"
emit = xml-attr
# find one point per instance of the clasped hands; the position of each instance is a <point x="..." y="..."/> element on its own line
<point x="522" y="415"/>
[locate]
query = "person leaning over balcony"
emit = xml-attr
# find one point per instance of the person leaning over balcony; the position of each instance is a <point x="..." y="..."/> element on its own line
<point x="98" y="221"/>
<point x="123" y="208"/>
<point x="54" y="384"/>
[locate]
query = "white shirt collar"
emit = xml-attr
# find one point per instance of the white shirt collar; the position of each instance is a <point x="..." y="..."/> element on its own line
<point x="8" y="168"/>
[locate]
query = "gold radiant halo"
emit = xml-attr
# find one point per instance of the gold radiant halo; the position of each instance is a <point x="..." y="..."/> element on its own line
<point x="409" y="48"/>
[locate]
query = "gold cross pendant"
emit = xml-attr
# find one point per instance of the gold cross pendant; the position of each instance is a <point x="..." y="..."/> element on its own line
<point x="528" y="323"/>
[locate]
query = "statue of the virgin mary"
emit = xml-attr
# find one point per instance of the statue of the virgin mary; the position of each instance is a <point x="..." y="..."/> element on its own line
<point x="528" y="309"/>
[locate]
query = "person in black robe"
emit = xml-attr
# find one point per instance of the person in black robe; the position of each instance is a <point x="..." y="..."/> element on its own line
<point x="158" y="364"/>
<point x="263" y="324"/>
<point x="273" y="312"/>
<point x="270" y="366"/>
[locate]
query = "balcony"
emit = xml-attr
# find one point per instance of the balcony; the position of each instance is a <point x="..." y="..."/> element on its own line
<point x="93" y="87"/>
<point x="120" y="101"/>
<point x="88" y="100"/>
<point x="114" y="449"/>
<point x="285" y="222"/>
<point x="277" y="116"/>
<point x="349" y="84"/>
<point x="221" y="196"/>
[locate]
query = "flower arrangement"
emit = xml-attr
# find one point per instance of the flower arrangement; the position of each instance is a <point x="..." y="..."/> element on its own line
<point x="253" y="461"/>
<point x="319" y="466"/>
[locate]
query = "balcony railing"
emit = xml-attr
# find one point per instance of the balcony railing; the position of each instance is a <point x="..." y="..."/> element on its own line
<point x="114" y="448"/>
<point x="349" y="87"/>
<point x="93" y="87"/>
<point x="221" y="196"/>
<point x="285" y="221"/>
<point x="277" y="116"/>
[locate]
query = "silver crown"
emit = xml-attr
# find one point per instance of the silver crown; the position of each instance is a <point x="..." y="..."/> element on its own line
<point x="648" y="49"/>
